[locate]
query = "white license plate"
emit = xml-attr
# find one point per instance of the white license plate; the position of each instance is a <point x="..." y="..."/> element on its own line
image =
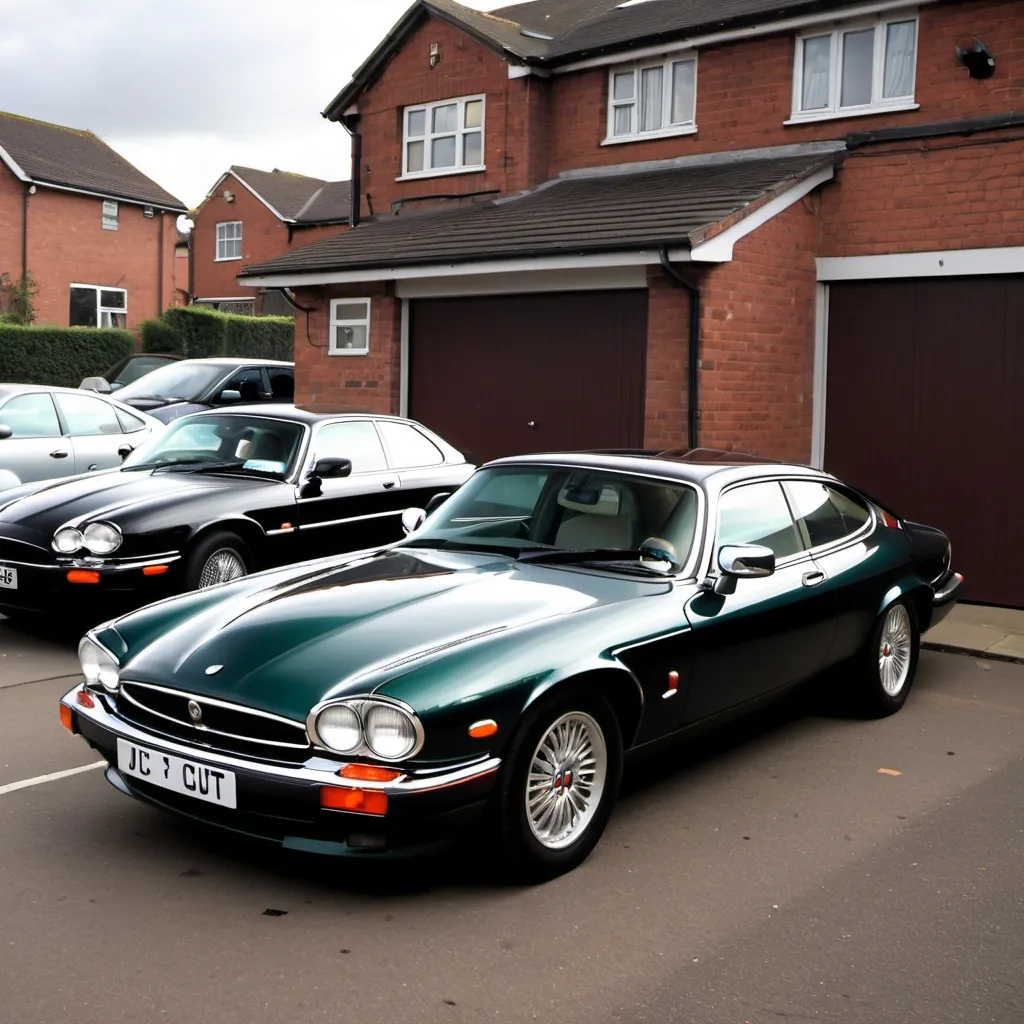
<point x="214" y="785"/>
<point x="8" y="577"/>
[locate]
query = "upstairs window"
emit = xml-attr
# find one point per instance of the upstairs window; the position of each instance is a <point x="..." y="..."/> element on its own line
<point x="860" y="68"/>
<point x="443" y="138"/>
<point x="109" y="215"/>
<point x="95" y="306"/>
<point x="650" y="100"/>
<point x="229" y="240"/>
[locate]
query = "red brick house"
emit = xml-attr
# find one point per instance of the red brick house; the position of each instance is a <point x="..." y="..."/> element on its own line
<point x="791" y="229"/>
<point x="250" y="216"/>
<point x="95" y="233"/>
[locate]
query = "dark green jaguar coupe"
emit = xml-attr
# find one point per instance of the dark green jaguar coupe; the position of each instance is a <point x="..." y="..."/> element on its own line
<point x="494" y="667"/>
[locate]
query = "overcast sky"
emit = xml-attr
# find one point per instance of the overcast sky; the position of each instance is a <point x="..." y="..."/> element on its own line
<point x="185" y="88"/>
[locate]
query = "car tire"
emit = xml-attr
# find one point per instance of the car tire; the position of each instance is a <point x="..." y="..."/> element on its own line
<point x="552" y="830"/>
<point x="216" y="558"/>
<point x="885" y="669"/>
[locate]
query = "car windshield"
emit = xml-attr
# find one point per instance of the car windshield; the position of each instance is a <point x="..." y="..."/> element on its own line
<point x="521" y="509"/>
<point x="135" y="367"/>
<point x="226" y="442"/>
<point x="184" y="380"/>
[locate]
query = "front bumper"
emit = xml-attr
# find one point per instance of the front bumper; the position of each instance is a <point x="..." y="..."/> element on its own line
<point x="48" y="590"/>
<point x="281" y="803"/>
<point x="945" y="596"/>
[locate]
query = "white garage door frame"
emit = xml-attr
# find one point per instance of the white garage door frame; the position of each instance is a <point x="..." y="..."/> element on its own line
<point x="937" y="263"/>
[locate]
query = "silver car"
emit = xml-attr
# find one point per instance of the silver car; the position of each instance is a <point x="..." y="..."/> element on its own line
<point x="53" y="432"/>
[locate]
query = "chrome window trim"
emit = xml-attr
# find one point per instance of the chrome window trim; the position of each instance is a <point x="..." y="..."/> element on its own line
<point x="339" y="522"/>
<point x="850" y="538"/>
<point x="357" y="703"/>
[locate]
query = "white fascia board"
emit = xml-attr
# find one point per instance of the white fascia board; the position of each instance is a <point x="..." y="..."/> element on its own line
<point x="637" y="258"/>
<point x="718" y="249"/>
<point x="939" y="263"/>
<point x="739" y="34"/>
<point x="241" y="180"/>
<point x="525" y="70"/>
<point x="162" y="207"/>
<point x="12" y="165"/>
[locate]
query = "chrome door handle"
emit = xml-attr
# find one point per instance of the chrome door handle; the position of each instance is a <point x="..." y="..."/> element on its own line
<point x="58" y="454"/>
<point x="812" y="579"/>
<point x="388" y="484"/>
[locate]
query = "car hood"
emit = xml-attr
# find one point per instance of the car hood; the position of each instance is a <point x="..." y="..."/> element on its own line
<point x="110" y="494"/>
<point x="287" y="641"/>
<point x="164" y="409"/>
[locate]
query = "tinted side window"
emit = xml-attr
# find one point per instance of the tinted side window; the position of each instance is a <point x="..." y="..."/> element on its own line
<point x="282" y="384"/>
<point x="408" y="447"/>
<point x="757" y="514"/>
<point x="87" y="416"/>
<point x="30" y="416"/>
<point x="824" y="515"/>
<point x="854" y="513"/>
<point x="249" y="384"/>
<point x="356" y="441"/>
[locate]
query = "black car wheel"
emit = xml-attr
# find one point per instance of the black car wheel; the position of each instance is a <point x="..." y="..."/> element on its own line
<point x="888" y="662"/>
<point x="559" y="784"/>
<point x="217" y="558"/>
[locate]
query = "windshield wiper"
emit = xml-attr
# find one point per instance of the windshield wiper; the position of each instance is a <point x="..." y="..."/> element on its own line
<point x="188" y="465"/>
<point x="567" y="557"/>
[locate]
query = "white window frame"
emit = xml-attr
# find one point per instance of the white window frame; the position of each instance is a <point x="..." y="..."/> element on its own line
<point x="428" y="136"/>
<point x="110" y="219"/>
<point x="222" y="241"/>
<point x="878" y="103"/>
<point x="100" y="308"/>
<point x="334" y="323"/>
<point x="668" y="128"/>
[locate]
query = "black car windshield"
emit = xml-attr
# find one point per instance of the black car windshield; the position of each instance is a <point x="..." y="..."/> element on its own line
<point x="227" y="442"/>
<point x="131" y="369"/>
<point x="185" y="380"/>
<point x="530" y="508"/>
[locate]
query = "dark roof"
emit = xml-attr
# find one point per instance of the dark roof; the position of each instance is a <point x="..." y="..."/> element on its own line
<point x="553" y="32"/>
<point x="297" y="197"/>
<point x="639" y="209"/>
<point x="52" y="154"/>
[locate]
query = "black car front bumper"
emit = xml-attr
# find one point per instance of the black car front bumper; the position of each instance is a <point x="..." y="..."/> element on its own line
<point x="282" y="803"/>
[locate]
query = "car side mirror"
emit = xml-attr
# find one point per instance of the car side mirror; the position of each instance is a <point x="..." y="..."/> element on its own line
<point x="436" y="501"/>
<point x="325" y="468"/>
<point x="5" y="432"/>
<point x="746" y="561"/>
<point x="413" y="519"/>
<point x="98" y="384"/>
<point x="230" y="395"/>
<point x="125" y="450"/>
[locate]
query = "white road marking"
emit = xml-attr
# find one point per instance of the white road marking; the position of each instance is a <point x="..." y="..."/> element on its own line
<point x="40" y="779"/>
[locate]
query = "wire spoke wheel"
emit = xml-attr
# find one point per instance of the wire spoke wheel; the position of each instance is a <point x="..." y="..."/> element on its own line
<point x="566" y="780"/>
<point x="895" y="648"/>
<point x="222" y="566"/>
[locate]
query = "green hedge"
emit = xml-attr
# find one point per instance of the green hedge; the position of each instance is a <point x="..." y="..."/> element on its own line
<point x="198" y="332"/>
<point x="62" y="356"/>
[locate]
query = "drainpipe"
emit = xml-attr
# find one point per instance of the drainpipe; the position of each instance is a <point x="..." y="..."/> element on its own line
<point x="24" y="231"/>
<point x="160" y="266"/>
<point x="693" y="346"/>
<point x="191" y="263"/>
<point x="355" y="185"/>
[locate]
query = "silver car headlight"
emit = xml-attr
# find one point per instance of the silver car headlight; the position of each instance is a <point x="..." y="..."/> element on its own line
<point x="339" y="728"/>
<point x="391" y="732"/>
<point x="102" y="538"/>
<point x="67" y="540"/>
<point x="99" y="666"/>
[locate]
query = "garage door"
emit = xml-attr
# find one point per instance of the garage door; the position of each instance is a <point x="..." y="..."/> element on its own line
<point x="925" y="410"/>
<point x="510" y="374"/>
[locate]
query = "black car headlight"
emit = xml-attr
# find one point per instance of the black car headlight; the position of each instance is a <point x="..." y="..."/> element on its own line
<point x="67" y="540"/>
<point x="101" y="538"/>
<point x="383" y="729"/>
<point x="99" y="666"/>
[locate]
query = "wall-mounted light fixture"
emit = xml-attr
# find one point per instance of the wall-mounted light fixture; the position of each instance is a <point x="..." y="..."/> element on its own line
<point x="976" y="58"/>
<point x="435" y="55"/>
<point x="148" y="211"/>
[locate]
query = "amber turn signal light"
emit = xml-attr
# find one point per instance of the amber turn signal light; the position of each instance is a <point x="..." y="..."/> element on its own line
<point x="67" y="718"/>
<point x="154" y="570"/>
<point x="360" y="800"/>
<point x="481" y="730"/>
<point x="369" y="773"/>
<point x="83" y="576"/>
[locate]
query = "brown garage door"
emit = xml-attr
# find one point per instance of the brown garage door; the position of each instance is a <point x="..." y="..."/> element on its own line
<point x="510" y="374"/>
<point x="925" y="410"/>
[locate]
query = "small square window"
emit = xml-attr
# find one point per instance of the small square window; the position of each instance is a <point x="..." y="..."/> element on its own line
<point x="109" y="215"/>
<point x="444" y="137"/>
<point x="94" y="306"/>
<point x="349" y="327"/>
<point x="652" y="99"/>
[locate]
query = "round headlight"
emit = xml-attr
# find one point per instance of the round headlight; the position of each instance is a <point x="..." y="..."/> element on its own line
<point x="339" y="729"/>
<point x="390" y="732"/>
<point x="98" y="667"/>
<point x="101" y="538"/>
<point x="67" y="541"/>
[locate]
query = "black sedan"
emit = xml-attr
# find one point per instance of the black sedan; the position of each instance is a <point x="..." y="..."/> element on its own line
<point x="192" y="385"/>
<point x="220" y="494"/>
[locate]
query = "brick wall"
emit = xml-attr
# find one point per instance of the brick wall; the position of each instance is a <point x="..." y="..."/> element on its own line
<point x="668" y="333"/>
<point x="744" y="91"/>
<point x="336" y="383"/>
<point x="11" y="193"/>
<point x="938" y="194"/>
<point x="755" y="391"/>
<point x="67" y="243"/>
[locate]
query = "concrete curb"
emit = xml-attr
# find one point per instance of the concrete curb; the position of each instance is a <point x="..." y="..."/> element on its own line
<point x="1012" y="659"/>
